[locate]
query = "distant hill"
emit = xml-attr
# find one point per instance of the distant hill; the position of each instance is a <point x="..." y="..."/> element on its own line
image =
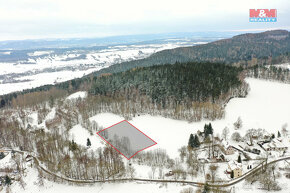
<point x="247" y="49"/>
<point x="239" y="49"/>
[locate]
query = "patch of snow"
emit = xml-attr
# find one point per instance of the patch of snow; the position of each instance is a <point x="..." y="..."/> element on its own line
<point x="80" y="94"/>
<point x="80" y="136"/>
<point x="38" y="80"/>
<point x="106" y="119"/>
<point x="33" y="119"/>
<point x="51" y="114"/>
<point x="40" y="53"/>
<point x="284" y="66"/>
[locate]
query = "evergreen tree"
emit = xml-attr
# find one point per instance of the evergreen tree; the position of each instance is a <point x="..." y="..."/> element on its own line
<point x="273" y="136"/>
<point x="2" y="103"/>
<point x="205" y="188"/>
<point x="191" y="141"/>
<point x="210" y="129"/>
<point x="239" y="159"/>
<point x="2" y="155"/>
<point x="205" y="130"/>
<point x="7" y="180"/>
<point x="196" y="141"/>
<point x="232" y="174"/>
<point x="279" y="134"/>
<point x="89" y="142"/>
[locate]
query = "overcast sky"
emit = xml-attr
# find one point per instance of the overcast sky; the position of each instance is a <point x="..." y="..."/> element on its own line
<point x="22" y="19"/>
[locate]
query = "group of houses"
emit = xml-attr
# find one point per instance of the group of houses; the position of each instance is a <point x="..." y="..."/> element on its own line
<point x="220" y="150"/>
<point x="275" y="145"/>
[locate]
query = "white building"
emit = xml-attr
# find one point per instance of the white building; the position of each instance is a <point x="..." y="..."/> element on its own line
<point x="236" y="168"/>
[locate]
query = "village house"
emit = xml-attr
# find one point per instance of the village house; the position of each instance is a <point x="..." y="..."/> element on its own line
<point x="275" y="145"/>
<point x="235" y="167"/>
<point x="229" y="150"/>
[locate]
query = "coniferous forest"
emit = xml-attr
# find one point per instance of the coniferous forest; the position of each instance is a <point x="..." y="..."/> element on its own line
<point x="179" y="82"/>
<point x="189" y="91"/>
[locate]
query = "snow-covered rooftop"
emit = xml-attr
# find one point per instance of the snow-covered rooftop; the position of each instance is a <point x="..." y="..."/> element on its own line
<point x="234" y="165"/>
<point x="274" y="144"/>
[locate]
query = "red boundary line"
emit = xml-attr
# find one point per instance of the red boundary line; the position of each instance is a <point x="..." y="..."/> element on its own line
<point x="116" y="148"/>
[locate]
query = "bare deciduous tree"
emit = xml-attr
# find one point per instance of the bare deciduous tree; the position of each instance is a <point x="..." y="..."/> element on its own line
<point x="225" y="133"/>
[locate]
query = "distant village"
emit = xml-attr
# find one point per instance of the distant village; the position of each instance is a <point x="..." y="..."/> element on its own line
<point x="240" y="154"/>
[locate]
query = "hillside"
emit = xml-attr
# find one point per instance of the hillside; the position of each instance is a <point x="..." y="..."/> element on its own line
<point x="190" y="91"/>
<point x="247" y="49"/>
<point x="197" y="82"/>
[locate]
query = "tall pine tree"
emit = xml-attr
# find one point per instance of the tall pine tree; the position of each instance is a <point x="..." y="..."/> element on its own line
<point x="232" y="174"/>
<point x="205" y="130"/>
<point x="191" y="141"/>
<point x="210" y="129"/>
<point x="196" y="141"/>
<point x="89" y="142"/>
<point x="7" y="180"/>
<point x="239" y="159"/>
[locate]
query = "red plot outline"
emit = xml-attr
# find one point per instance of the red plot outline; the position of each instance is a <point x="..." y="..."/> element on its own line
<point x="116" y="148"/>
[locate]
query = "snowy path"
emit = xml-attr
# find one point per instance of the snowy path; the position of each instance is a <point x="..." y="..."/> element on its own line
<point x="192" y="183"/>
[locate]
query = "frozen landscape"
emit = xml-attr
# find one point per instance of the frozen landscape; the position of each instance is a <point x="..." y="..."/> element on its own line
<point x="24" y="69"/>
<point x="144" y="96"/>
<point x="266" y="107"/>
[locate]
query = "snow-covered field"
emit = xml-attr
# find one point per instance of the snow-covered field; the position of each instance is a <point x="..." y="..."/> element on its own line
<point x="80" y="136"/>
<point x="49" y="67"/>
<point x="267" y="106"/>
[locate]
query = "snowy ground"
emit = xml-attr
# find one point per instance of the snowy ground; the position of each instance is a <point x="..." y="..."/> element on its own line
<point x="80" y="136"/>
<point x="50" y="187"/>
<point x="80" y="94"/>
<point x="284" y="66"/>
<point x="32" y="186"/>
<point x="267" y="106"/>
